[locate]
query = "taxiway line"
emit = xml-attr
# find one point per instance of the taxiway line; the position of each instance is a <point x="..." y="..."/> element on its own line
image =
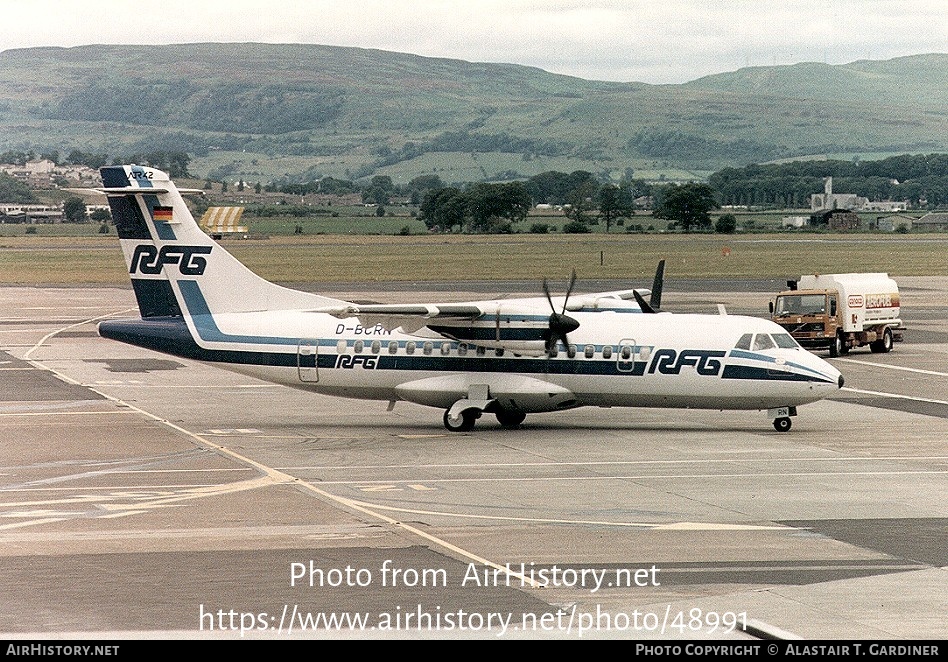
<point x="510" y="465"/>
<point x="895" y="395"/>
<point x="896" y="367"/>
<point x="275" y="476"/>
<point x="691" y="526"/>
<point x="526" y="479"/>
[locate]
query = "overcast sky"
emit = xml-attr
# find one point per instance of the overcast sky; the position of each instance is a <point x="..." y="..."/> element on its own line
<point x="651" y="41"/>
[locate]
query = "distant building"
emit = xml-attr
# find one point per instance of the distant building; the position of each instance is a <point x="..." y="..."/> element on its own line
<point x="795" y="221"/>
<point x="933" y="222"/>
<point x="886" y="205"/>
<point x="829" y="200"/>
<point x="43" y="173"/>
<point x="892" y="222"/>
<point x="23" y="213"/>
<point x="644" y="202"/>
<point x="835" y="219"/>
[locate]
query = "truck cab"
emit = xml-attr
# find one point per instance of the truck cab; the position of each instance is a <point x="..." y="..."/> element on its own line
<point x="811" y="317"/>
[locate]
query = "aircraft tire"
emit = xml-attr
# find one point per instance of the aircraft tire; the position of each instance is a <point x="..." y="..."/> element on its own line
<point x="510" y="418"/>
<point x="468" y="419"/>
<point x="782" y="424"/>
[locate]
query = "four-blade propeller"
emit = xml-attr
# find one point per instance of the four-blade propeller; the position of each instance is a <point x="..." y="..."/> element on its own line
<point x="560" y="323"/>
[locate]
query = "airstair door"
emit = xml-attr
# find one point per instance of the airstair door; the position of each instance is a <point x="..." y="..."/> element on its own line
<point x="307" y="360"/>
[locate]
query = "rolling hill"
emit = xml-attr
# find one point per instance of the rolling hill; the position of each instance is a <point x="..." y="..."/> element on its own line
<point x="270" y="111"/>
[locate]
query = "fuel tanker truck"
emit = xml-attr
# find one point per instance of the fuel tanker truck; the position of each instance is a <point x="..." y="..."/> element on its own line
<point x="841" y="311"/>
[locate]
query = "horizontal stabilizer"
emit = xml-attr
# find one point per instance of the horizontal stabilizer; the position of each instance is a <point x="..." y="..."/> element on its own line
<point x="132" y="190"/>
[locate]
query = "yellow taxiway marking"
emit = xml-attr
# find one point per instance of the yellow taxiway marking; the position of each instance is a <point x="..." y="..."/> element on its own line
<point x="395" y="488"/>
<point x="273" y="476"/>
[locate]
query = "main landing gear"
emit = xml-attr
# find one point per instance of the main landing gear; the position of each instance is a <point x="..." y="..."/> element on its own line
<point x="464" y="423"/>
<point x="509" y="419"/>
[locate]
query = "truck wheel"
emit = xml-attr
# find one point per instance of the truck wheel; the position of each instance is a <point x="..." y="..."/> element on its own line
<point x="884" y="344"/>
<point x="837" y="346"/>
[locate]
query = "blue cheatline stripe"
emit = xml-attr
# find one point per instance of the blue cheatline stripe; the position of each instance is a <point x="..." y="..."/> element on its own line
<point x="207" y="328"/>
<point x="172" y="336"/>
<point x="742" y="354"/>
<point x="766" y="374"/>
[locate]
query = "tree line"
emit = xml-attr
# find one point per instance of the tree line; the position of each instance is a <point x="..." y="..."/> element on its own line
<point x="584" y="199"/>
<point x="495" y="207"/>
<point x="920" y="179"/>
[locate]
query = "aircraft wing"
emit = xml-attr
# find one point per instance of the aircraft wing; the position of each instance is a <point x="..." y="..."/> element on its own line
<point x="473" y="310"/>
<point x="526" y="325"/>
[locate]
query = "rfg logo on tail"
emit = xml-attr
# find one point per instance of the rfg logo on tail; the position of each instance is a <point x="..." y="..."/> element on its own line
<point x="148" y="259"/>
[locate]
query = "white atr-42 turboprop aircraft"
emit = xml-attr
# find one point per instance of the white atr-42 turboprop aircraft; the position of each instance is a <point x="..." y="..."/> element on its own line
<point x="507" y="357"/>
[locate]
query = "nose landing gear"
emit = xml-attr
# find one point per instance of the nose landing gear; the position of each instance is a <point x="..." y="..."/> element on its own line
<point x="781" y="417"/>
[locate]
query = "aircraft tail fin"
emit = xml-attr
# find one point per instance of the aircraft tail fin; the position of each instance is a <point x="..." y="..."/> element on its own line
<point x="175" y="267"/>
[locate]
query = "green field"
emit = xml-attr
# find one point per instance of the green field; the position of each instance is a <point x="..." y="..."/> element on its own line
<point x="33" y="260"/>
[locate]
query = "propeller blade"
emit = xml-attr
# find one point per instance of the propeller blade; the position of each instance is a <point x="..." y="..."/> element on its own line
<point x="569" y="290"/>
<point x="646" y="308"/>
<point x="656" y="299"/>
<point x="546" y="291"/>
<point x="497" y="324"/>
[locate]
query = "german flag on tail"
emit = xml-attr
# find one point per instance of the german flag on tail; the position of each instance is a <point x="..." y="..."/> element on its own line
<point x="162" y="214"/>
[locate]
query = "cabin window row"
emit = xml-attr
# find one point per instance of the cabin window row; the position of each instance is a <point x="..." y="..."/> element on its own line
<point x="411" y="347"/>
<point x="625" y="352"/>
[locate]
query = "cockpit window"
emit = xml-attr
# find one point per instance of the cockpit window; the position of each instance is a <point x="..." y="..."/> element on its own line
<point x="744" y="342"/>
<point x="785" y="341"/>
<point x="762" y="341"/>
